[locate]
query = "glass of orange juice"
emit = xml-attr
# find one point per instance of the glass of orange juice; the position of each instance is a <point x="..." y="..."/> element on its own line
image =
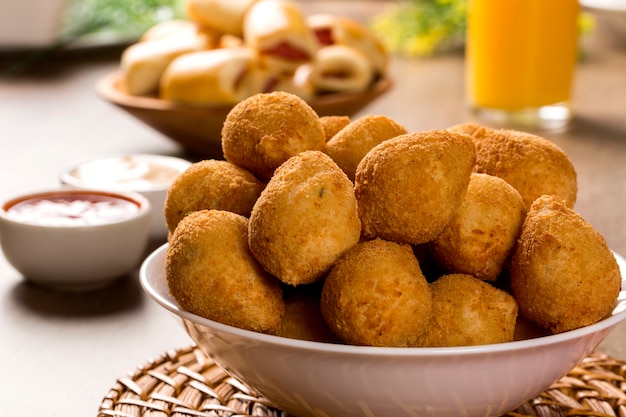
<point x="520" y="61"/>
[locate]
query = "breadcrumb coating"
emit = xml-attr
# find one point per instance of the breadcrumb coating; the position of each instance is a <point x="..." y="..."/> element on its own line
<point x="376" y="295"/>
<point x="409" y="187"/>
<point x="305" y="219"/>
<point x="533" y="165"/>
<point x="210" y="272"/>
<point x="211" y="184"/>
<point x="563" y="274"/>
<point x="264" y="130"/>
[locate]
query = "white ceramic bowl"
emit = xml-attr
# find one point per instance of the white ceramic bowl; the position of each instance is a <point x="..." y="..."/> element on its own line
<point x="75" y="251"/>
<point x="308" y="379"/>
<point x="147" y="174"/>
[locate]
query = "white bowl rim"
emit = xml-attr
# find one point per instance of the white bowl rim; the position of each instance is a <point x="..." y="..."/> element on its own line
<point x="609" y="5"/>
<point x="619" y="314"/>
<point x="143" y="203"/>
<point x="66" y="177"/>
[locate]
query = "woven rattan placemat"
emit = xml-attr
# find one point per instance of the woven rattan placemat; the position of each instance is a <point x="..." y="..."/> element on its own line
<point x="186" y="383"/>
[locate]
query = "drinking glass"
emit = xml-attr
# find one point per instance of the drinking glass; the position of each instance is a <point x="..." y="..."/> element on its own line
<point x="520" y="61"/>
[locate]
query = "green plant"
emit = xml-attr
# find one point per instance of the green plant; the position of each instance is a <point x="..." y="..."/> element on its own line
<point x="121" y="18"/>
<point x="422" y="27"/>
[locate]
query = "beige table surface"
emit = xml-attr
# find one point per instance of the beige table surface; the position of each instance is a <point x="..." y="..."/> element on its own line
<point x="62" y="352"/>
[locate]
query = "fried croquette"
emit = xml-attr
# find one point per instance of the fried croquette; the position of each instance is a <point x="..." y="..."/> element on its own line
<point x="534" y="166"/>
<point x="350" y="145"/>
<point x="210" y="272"/>
<point x="376" y="295"/>
<point x="333" y="124"/>
<point x="211" y="184"/>
<point x="305" y="219"/>
<point x="429" y="266"/>
<point x="526" y="329"/>
<point x="483" y="232"/>
<point x="563" y="274"/>
<point x="303" y="318"/>
<point x="468" y="312"/>
<point x="264" y="130"/>
<point x="409" y="187"/>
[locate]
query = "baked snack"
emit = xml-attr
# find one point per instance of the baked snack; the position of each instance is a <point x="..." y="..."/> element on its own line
<point x="340" y="69"/>
<point x="216" y="77"/>
<point x="142" y="64"/>
<point x="226" y="16"/>
<point x="276" y="32"/>
<point x="338" y="30"/>
<point x="277" y="29"/>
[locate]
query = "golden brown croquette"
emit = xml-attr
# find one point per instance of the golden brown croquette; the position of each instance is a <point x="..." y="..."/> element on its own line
<point x="211" y="272"/>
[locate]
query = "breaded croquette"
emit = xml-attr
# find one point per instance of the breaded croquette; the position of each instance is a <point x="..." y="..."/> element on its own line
<point x="264" y="130"/>
<point x="563" y="274"/>
<point x="354" y="141"/>
<point x="469" y="312"/>
<point x="211" y="184"/>
<point x="377" y="295"/>
<point x="483" y="232"/>
<point x="305" y="219"/>
<point x="534" y="166"/>
<point x="303" y="318"/>
<point x="210" y="272"/>
<point x="409" y="187"/>
<point x="333" y="124"/>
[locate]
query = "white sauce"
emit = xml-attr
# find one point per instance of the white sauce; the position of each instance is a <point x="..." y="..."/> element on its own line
<point x="129" y="172"/>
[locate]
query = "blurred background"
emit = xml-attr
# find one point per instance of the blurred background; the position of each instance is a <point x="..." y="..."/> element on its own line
<point x="44" y="23"/>
<point x="31" y="30"/>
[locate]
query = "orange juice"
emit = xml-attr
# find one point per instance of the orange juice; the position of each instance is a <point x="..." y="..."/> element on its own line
<point x="521" y="54"/>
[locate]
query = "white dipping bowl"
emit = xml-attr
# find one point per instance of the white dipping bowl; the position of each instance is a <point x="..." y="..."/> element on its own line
<point x="147" y="174"/>
<point x="75" y="251"/>
<point x="308" y="379"/>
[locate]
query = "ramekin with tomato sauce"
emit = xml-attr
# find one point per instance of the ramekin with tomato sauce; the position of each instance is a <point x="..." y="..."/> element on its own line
<point x="74" y="239"/>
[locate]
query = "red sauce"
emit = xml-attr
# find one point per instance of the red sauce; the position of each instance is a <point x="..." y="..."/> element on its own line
<point x="71" y="209"/>
<point x="324" y="36"/>
<point x="288" y="52"/>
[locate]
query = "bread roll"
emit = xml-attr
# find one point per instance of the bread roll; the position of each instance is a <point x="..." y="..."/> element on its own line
<point x="278" y="30"/>
<point x="299" y="83"/>
<point x="340" y="68"/>
<point x="225" y="16"/>
<point x="142" y="64"/>
<point x="219" y="76"/>
<point x="335" y="30"/>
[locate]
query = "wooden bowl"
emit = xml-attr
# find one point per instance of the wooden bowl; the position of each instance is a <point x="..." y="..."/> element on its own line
<point x="198" y="128"/>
